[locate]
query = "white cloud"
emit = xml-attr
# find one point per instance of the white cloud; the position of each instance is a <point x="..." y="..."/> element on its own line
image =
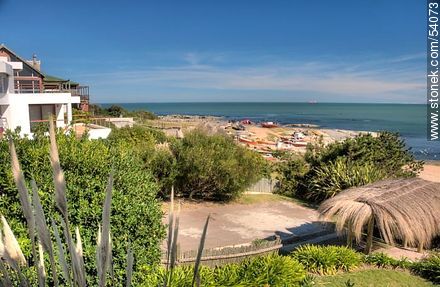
<point x="368" y="77"/>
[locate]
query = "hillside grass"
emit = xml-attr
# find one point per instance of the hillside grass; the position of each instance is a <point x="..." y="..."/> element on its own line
<point x="373" y="278"/>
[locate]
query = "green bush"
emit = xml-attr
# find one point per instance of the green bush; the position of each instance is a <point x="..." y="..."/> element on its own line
<point x="357" y="161"/>
<point x="290" y="172"/>
<point x="429" y="267"/>
<point x="382" y="260"/>
<point x="327" y="259"/>
<point x="136" y="214"/>
<point x="213" y="167"/>
<point x="151" y="145"/>
<point x="328" y="180"/>
<point x="138" y="136"/>
<point x="118" y="111"/>
<point x="387" y="151"/>
<point x="271" y="270"/>
<point x="182" y="276"/>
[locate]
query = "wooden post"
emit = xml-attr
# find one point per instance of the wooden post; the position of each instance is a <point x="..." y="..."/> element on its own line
<point x="349" y="235"/>
<point x="370" y="230"/>
<point x="420" y="247"/>
<point x="405" y="243"/>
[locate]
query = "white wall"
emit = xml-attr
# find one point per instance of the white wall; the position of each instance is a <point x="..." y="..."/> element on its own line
<point x="17" y="113"/>
<point x="19" y="108"/>
<point x="98" y="132"/>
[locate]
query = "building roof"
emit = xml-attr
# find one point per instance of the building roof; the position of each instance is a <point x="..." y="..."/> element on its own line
<point x="49" y="78"/>
<point x="402" y="209"/>
<point x="46" y="77"/>
<point x="3" y="46"/>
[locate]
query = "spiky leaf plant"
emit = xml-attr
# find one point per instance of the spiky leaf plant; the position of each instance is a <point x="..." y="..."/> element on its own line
<point x="73" y="269"/>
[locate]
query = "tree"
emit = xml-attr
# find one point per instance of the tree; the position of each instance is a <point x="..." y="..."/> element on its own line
<point x="214" y="167"/>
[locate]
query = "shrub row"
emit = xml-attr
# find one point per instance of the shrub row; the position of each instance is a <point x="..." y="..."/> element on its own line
<point x="271" y="270"/>
<point x="276" y="270"/>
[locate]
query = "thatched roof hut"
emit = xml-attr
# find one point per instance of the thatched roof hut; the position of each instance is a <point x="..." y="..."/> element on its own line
<point x="407" y="210"/>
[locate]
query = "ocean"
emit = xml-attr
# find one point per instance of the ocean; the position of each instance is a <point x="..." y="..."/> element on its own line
<point x="408" y="120"/>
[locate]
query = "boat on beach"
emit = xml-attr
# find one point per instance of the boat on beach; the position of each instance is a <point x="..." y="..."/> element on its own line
<point x="299" y="144"/>
<point x="246" y="140"/>
<point x="269" y="125"/>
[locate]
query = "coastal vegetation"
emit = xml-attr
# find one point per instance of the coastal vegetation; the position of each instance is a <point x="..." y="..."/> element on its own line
<point x="270" y="270"/>
<point x="327" y="260"/>
<point x="326" y="170"/>
<point x="213" y="167"/>
<point x="119" y="111"/>
<point x="136" y="213"/>
<point x="310" y="265"/>
<point x="136" y="231"/>
<point x="199" y="166"/>
<point x="146" y="164"/>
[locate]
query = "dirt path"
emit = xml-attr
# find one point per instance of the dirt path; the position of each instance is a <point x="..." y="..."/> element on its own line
<point x="235" y="224"/>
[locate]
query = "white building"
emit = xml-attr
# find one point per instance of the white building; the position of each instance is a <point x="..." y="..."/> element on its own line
<point x="24" y="101"/>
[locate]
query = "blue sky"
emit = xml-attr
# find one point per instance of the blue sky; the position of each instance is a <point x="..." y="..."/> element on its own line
<point x="229" y="50"/>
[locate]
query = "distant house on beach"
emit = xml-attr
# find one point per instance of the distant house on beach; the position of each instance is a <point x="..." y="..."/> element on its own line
<point x="28" y="96"/>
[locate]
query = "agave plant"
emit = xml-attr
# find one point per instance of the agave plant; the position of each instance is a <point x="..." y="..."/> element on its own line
<point x="13" y="268"/>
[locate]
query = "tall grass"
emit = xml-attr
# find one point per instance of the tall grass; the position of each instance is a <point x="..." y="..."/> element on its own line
<point x="172" y="246"/>
<point x="15" y="269"/>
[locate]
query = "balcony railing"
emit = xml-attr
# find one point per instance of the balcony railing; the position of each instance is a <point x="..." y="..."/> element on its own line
<point x="33" y="86"/>
<point x="27" y="84"/>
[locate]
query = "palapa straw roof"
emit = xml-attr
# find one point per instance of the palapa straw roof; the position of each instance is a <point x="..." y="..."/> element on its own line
<point x="403" y="209"/>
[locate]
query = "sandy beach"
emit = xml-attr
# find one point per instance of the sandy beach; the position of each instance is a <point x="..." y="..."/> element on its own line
<point x="431" y="172"/>
<point x="254" y="135"/>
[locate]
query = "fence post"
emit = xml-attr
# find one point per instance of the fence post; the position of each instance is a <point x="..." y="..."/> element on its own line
<point x="178" y="254"/>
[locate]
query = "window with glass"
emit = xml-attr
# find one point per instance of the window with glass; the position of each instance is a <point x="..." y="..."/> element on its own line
<point x="4" y="80"/>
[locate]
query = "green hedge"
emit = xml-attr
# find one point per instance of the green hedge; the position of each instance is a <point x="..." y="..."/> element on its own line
<point x="271" y="270"/>
<point x="327" y="259"/>
<point x="136" y="214"/>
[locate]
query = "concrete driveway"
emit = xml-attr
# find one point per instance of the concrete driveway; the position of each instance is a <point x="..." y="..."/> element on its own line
<point x="235" y="223"/>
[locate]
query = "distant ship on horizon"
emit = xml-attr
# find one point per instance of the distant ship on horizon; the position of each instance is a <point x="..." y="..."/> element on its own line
<point x="313" y="102"/>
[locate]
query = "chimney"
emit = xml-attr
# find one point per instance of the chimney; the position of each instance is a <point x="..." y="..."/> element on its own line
<point x="36" y="64"/>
